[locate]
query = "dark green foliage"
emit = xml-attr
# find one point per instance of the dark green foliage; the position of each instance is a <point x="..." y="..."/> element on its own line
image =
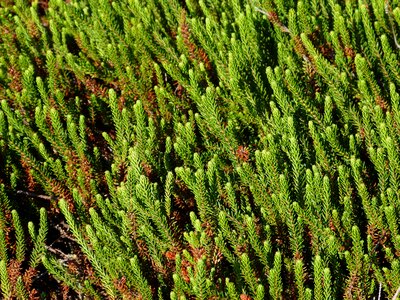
<point x="199" y="149"/>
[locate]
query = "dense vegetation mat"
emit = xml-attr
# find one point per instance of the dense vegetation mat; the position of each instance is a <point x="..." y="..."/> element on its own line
<point x="184" y="149"/>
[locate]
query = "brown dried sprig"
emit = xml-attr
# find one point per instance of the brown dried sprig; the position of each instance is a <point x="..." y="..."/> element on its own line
<point x="242" y="153"/>
<point x="274" y="19"/>
<point x="195" y="53"/>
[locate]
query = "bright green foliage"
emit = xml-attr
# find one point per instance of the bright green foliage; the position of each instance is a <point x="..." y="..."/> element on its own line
<point x="230" y="149"/>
